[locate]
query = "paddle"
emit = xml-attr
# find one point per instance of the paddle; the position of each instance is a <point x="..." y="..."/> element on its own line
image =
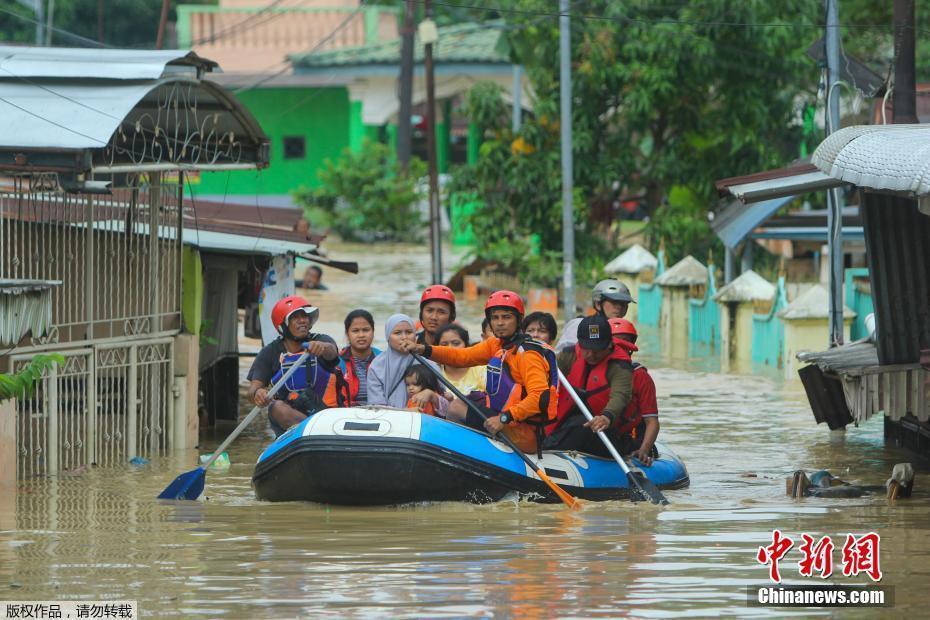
<point x="350" y="266"/>
<point x="565" y="496"/>
<point x="646" y="488"/>
<point x="189" y="485"/>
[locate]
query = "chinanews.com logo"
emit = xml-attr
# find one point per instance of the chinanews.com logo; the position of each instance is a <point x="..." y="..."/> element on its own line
<point x="859" y="555"/>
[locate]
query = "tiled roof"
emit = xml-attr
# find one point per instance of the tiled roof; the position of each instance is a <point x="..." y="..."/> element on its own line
<point x="463" y="43"/>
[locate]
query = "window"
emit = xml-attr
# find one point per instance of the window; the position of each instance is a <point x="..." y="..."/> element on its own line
<point x="294" y="147"/>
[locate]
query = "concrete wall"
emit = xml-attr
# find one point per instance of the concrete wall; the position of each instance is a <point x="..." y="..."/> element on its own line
<point x="806" y="335"/>
<point x="320" y="115"/>
<point x="7" y="447"/>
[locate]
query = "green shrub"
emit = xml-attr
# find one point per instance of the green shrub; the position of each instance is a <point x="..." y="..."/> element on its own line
<point x="22" y="383"/>
<point x="365" y="195"/>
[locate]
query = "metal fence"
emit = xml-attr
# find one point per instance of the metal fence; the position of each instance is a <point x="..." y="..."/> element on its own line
<point x="650" y="297"/>
<point x="768" y="331"/>
<point x="118" y="256"/>
<point x="114" y="316"/>
<point x="704" y="315"/>
<point x="105" y="405"/>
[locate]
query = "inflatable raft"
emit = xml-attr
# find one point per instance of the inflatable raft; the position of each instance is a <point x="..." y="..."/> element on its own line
<point x="368" y="456"/>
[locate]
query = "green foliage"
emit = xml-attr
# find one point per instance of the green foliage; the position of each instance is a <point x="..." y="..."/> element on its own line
<point x="22" y="383"/>
<point x="681" y="225"/>
<point x="365" y="195"/>
<point x="665" y="95"/>
<point x="206" y="327"/>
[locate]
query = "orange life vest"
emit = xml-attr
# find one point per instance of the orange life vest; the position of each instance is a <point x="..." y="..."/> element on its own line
<point x="428" y="409"/>
<point x="342" y="389"/>
<point x="594" y="391"/>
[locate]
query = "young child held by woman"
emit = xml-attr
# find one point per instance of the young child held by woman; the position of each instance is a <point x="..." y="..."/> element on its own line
<point x="418" y="378"/>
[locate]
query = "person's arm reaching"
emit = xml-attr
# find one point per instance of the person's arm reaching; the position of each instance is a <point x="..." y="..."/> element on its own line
<point x="475" y="355"/>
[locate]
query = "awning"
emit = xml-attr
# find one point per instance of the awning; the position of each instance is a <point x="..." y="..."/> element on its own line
<point x="737" y="220"/>
<point x="883" y="157"/>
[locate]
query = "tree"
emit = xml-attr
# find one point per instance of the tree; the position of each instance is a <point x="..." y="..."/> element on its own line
<point x="666" y="97"/>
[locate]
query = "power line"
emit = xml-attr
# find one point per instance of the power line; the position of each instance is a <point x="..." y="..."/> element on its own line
<point x="61" y="31"/>
<point x="345" y="22"/>
<point x="656" y="21"/>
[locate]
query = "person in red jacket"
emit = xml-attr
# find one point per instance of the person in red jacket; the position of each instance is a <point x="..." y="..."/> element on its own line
<point x="600" y="370"/>
<point x="639" y="423"/>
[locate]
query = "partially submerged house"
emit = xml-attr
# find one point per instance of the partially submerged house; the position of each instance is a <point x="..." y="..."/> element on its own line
<point x="93" y="161"/>
<point x="887" y="165"/>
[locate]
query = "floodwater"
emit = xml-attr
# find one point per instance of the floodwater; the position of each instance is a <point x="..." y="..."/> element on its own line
<point x="100" y="534"/>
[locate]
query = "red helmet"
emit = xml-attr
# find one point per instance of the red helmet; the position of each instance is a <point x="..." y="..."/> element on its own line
<point x="283" y="310"/>
<point x="620" y="326"/>
<point x="504" y="299"/>
<point x="438" y="292"/>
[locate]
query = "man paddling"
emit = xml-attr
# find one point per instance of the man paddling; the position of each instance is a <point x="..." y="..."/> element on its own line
<point x="521" y="378"/>
<point x="601" y="371"/>
<point x="293" y="317"/>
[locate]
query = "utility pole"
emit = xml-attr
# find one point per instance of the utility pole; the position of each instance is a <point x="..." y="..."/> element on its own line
<point x="40" y="20"/>
<point x="49" y="22"/>
<point x="568" y="219"/>
<point x="429" y="35"/>
<point x="406" y="84"/>
<point x="834" y="200"/>
<point x="904" y="99"/>
<point x="162" y="22"/>
<point x="516" y="111"/>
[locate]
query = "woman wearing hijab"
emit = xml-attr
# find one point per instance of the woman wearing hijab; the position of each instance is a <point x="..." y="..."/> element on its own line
<point x="386" y="374"/>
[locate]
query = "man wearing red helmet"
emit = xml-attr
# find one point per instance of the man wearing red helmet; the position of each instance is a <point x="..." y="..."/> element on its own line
<point x="521" y="380"/>
<point x="437" y="309"/>
<point x="293" y="317"/>
<point x="639" y="423"/>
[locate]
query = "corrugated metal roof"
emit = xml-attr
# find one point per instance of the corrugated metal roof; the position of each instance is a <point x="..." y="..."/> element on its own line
<point x="25" y="305"/>
<point x="884" y="157"/>
<point x="633" y="260"/>
<point x="104" y="64"/>
<point x="242" y="244"/>
<point x="852" y="356"/>
<point x="749" y="286"/>
<point x="898" y="254"/>
<point x="461" y="43"/>
<point x="685" y="272"/>
<point x="73" y="116"/>
<point x="68" y="99"/>
<point x="18" y="287"/>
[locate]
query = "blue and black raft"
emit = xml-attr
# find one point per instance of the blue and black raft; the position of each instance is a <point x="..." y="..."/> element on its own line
<point x="370" y="456"/>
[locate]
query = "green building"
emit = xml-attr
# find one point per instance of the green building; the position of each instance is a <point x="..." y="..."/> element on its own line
<point x="317" y="102"/>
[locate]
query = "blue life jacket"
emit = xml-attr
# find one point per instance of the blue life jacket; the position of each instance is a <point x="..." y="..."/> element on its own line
<point x="316" y="376"/>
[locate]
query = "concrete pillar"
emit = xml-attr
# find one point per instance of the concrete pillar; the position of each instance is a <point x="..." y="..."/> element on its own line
<point x="186" y="371"/>
<point x="7" y="446"/>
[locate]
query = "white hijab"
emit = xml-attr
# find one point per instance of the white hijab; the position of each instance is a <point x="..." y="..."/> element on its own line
<point x="386" y="374"/>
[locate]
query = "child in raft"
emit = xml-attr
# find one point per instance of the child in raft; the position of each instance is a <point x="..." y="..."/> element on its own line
<point x="419" y="378"/>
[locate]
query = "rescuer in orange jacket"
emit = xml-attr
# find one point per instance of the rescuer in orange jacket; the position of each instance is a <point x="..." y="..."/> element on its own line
<point x="522" y="380"/>
<point x="601" y="371"/>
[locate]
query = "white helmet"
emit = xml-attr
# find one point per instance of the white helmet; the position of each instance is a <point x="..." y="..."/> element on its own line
<point x="611" y="289"/>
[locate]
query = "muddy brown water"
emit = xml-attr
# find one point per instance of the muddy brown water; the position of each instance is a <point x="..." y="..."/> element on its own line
<point x="100" y="533"/>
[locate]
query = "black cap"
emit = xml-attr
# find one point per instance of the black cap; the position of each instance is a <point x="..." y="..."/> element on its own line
<point x="594" y="333"/>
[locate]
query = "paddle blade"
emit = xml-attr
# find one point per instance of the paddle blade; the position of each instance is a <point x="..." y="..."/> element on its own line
<point x="188" y="485"/>
<point x="647" y="488"/>
<point x="571" y="501"/>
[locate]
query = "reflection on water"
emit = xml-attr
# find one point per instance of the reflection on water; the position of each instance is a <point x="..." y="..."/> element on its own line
<point x="101" y="534"/>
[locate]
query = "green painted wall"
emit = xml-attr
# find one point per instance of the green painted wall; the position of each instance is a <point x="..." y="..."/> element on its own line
<point x="320" y="115"/>
<point x="191" y="289"/>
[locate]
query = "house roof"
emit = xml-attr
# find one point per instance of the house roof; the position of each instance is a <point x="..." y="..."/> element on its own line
<point x="814" y="303"/>
<point x="685" y="272"/>
<point x="737" y="220"/>
<point x="633" y="260"/>
<point x="778" y="183"/>
<point x="462" y="43"/>
<point x="72" y="100"/>
<point x="749" y="286"/>
<point x="883" y="157"/>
